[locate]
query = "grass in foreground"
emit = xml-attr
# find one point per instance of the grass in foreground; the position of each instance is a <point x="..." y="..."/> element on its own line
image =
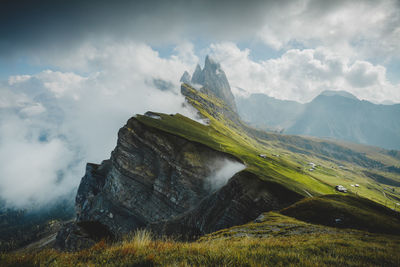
<point x="315" y="247"/>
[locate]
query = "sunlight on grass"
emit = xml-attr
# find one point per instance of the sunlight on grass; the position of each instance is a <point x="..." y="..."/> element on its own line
<point x="140" y="237"/>
<point x="336" y="249"/>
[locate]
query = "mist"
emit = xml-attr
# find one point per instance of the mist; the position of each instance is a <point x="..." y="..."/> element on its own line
<point x="222" y="171"/>
<point x="53" y="122"/>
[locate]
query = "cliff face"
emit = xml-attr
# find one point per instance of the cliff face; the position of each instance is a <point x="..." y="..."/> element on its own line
<point x="165" y="182"/>
<point x="242" y="199"/>
<point x="151" y="176"/>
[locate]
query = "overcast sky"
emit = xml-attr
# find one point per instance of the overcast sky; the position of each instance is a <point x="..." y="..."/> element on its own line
<point x="72" y="72"/>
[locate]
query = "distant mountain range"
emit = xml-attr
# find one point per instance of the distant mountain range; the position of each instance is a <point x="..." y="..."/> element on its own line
<point x="332" y="114"/>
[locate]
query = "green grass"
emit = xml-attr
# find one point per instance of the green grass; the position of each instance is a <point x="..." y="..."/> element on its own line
<point x="227" y="134"/>
<point x="353" y="211"/>
<point x="275" y="241"/>
<point x="239" y="144"/>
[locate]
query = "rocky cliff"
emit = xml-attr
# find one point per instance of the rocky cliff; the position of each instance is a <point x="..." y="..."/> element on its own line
<point x="151" y="176"/>
<point x="242" y="199"/>
<point x="165" y="182"/>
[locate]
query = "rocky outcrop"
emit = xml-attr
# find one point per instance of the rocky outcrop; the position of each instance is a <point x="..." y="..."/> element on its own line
<point x="213" y="80"/>
<point x="151" y="175"/>
<point x="197" y="77"/>
<point x="73" y="237"/>
<point x="165" y="182"/>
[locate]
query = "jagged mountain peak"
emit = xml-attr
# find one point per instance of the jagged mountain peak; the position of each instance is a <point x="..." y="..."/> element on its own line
<point x="213" y="80"/>
<point x="198" y="68"/>
<point x="197" y="77"/>
<point x="186" y="78"/>
<point x="214" y="66"/>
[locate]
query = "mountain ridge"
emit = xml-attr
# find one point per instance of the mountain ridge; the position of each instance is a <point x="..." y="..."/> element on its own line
<point x="332" y="114"/>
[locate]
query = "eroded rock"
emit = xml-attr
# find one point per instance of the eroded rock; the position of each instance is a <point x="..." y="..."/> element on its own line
<point x="151" y="176"/>
<point x="165" y="182"/>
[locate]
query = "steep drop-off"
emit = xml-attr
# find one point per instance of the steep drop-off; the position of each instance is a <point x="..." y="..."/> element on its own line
<point x="154" y="177"/>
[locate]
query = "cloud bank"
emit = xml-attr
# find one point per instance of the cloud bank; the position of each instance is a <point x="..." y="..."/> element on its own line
<point x="364" y="28"/>
<point x="53" y="122"/>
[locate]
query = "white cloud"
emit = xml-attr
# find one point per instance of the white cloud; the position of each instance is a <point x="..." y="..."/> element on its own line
<point x="18" y="78"/>
<point x="9" y="99"/>
<point x="58" y="82"/>
<point x="366" y="29"/>
<point x="302" y="74"/>
<point x="53" y="122"/>
<point x="35" y="109"/>
<point x="185" y="53"/>
<point x="364" y="74"/>
<point x="33" y="172"/>
<point x="222" y="171"/>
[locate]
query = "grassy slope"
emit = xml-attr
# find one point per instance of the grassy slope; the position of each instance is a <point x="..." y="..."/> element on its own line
<point x="276" y="240"/>
<point x="353" y="212"/>
<point x="292" y="169"/>
<point x="289" y="169"/>
<point x="231" y="140"/>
